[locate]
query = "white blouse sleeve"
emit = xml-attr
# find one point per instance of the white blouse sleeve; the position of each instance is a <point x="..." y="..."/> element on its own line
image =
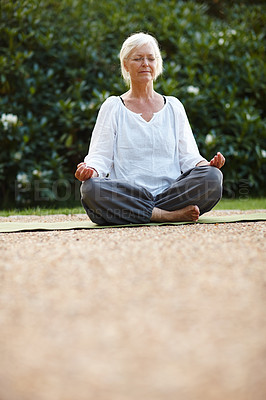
<point x="101" y="150"/>
<point x="189" y="154"/>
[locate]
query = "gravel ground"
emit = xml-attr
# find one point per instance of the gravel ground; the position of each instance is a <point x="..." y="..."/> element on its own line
<point x="147" y="313"/>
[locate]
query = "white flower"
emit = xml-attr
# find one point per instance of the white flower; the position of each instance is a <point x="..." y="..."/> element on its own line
<point x="209" y="138"/>
<point x="5" y="124"/>
<point x="18" y="156"/>
<point x="192" y="89"/>
<point x="248" y="116"/>
<point x="36" y="173"/>
<point x="220" y="33"/>
<point x="221" y="41"/>
<point x="3" y="118"/>
<point x="263" y="153"/>
<point x="9" y="119"/>
<point x="227" y="105"/>
<point x="232" y="31"/>
<point x="22" y="177"/>
<point x="14" y="119"/>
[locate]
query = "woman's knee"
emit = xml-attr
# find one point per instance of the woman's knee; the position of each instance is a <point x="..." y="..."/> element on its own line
<point x="215" y="174"/>
<point x="89" y="189"/>
<point x="214" y="180"/>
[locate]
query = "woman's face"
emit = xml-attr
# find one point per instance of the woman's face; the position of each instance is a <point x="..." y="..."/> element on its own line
<point x="141" y="64"/>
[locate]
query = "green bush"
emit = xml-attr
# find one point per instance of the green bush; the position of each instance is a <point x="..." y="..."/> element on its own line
<point x="59" y="61"/>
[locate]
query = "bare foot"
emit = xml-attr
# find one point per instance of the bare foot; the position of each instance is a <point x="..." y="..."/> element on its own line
<point x="189" y="213"/>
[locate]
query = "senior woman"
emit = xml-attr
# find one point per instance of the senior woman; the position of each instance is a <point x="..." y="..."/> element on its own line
<point x="143" y="163"/>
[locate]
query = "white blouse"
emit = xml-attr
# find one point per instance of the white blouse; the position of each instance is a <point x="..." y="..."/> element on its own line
<point x="151" y="154"/>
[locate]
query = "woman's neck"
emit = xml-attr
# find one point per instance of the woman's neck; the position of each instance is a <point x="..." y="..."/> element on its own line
<point x="144" y="91"/>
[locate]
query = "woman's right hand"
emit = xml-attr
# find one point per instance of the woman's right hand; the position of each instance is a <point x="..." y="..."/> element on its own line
<point x="84" y="173"/>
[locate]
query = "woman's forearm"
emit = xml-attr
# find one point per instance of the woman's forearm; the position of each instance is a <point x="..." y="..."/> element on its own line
<point x="203" y="162"/>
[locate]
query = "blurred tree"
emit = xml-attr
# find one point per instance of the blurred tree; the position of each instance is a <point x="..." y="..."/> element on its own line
<point x="59" y="61"/>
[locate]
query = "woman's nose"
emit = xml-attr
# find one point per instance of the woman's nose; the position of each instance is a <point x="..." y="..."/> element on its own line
<point x="145" y="61"/>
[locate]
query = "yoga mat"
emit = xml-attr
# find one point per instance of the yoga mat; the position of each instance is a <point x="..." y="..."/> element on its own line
<point x="67" y="225"/>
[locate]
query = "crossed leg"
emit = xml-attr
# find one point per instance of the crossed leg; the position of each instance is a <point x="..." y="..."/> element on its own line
<point x="195" y="192"/>
<point x="200" y="187"/>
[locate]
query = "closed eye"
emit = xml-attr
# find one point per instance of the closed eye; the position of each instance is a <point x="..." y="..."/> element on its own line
<point x="140" y="59"/>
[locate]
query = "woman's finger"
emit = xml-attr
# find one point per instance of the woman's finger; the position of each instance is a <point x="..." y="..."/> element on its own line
<point x="80" y="164"/>
<point x="218" y="160"/>
<point x="83" y="173"/>
<point x="87" y="174"/>
<point x="79" y="172"/>
<point x="221" y="159"/>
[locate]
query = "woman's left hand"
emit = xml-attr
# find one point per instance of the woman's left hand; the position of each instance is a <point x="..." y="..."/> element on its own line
<point x="217" y="161"/>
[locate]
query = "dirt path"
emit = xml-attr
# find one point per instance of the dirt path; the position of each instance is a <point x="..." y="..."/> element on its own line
<point x="148" y="313"/>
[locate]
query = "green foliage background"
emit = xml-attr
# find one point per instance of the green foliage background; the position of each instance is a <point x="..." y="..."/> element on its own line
<point x="59" y="61"/>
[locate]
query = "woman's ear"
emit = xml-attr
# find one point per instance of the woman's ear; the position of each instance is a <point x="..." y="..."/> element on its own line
<point x="125" y="65"/>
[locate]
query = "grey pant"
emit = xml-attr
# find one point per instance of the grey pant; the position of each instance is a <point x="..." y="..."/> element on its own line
<point x="110" y="202"/>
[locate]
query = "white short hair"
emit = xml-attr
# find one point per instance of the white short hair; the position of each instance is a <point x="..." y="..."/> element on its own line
<point x="135" y="41"/>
